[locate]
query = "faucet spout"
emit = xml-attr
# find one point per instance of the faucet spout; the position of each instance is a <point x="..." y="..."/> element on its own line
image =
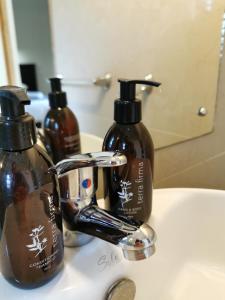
<point x="137" y="242"/>
<point x="139" y="245"/>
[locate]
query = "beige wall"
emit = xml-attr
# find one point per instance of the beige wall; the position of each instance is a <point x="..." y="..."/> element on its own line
<point x="195" y="163"/>
<point x="3" y="72"/>
<point x="8" y="45"/>
<point x="177" y="41"/>
<point x="199" y="162"/>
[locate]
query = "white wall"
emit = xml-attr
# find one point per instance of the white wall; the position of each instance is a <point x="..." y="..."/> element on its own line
<point x="33" y="37"/>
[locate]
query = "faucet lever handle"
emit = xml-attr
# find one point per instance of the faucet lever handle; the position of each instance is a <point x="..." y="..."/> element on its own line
<point x="94" y="159"/>
<point x="108" y="159"/>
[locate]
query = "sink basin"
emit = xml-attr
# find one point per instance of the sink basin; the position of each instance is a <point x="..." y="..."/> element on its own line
<point x="189" y="262"/>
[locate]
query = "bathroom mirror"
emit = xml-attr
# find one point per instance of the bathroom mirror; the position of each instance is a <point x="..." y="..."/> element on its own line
<point x="175" y="43"/>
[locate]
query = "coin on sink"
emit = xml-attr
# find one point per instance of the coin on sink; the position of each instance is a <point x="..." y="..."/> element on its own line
<point x="123" y="289"/>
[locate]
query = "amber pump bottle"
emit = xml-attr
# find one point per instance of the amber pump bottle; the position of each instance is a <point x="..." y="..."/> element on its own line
<point x="60" y="125"/>
<point x="31" y="240"/>
<point x="128" y="188"/>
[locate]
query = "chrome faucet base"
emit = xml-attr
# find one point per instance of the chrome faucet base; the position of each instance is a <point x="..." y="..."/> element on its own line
<point x="75" y="238"/>
<point x="83" y="219"/>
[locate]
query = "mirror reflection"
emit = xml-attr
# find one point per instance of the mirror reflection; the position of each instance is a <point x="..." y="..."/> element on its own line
<point x="92" y="45"/>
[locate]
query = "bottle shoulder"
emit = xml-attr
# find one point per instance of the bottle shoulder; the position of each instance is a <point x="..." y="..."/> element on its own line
<point x="60" y="118"/>
<point x="43" y="155"/>
<point x="129" y="133"/>
<point x="33" y="154"/>
<point x="133" y="138"/>
<point x="28" y="168"/>
<point x="59" y="112"/>
<point x="129" y="128"/>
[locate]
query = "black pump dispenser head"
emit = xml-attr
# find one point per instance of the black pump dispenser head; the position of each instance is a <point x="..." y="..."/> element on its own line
<point x="127" y="109"/>
<point x="57" y="98"/>
<point x="17" y="128"/>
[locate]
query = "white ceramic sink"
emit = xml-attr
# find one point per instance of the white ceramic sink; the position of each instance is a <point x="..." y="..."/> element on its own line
<point x="189" y="263"/>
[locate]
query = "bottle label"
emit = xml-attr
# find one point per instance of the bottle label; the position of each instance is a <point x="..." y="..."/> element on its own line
<point x="130" y="189"/>
<point x="72" y="142"/>
<point x="40" y="239"/>
<point x="32" y="240"/>
<point x="61" y="146"/>
<point x="125" y="195"/>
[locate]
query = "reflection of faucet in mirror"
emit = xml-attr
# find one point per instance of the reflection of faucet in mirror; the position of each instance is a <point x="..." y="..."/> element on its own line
<point x="170" y="114"/>
<point x="81" y="212"/>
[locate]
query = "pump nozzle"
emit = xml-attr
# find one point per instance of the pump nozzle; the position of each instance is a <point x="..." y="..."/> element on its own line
<point x="128" y="87"/>
<point x="17" y="128"/>
<point x="57" y="98"/>
<point x="55" y="84"/>
<point x="127" y="109"/>
<point x="12" y="101"/>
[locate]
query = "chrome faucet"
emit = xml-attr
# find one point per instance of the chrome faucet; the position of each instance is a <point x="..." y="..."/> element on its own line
<point x="78" y="184"/>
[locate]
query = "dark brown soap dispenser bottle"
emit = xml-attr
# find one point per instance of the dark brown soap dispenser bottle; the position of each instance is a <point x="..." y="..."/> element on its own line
<point x="60" y="125"/>
<point x="31" y="240"/>
<point x="128" y="188"/>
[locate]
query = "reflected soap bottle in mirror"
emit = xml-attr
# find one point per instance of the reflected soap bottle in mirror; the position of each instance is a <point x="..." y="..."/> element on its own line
<point x="60" y="125"/>
<point x="128" y="188"/>
<point x="31" y="239"/>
